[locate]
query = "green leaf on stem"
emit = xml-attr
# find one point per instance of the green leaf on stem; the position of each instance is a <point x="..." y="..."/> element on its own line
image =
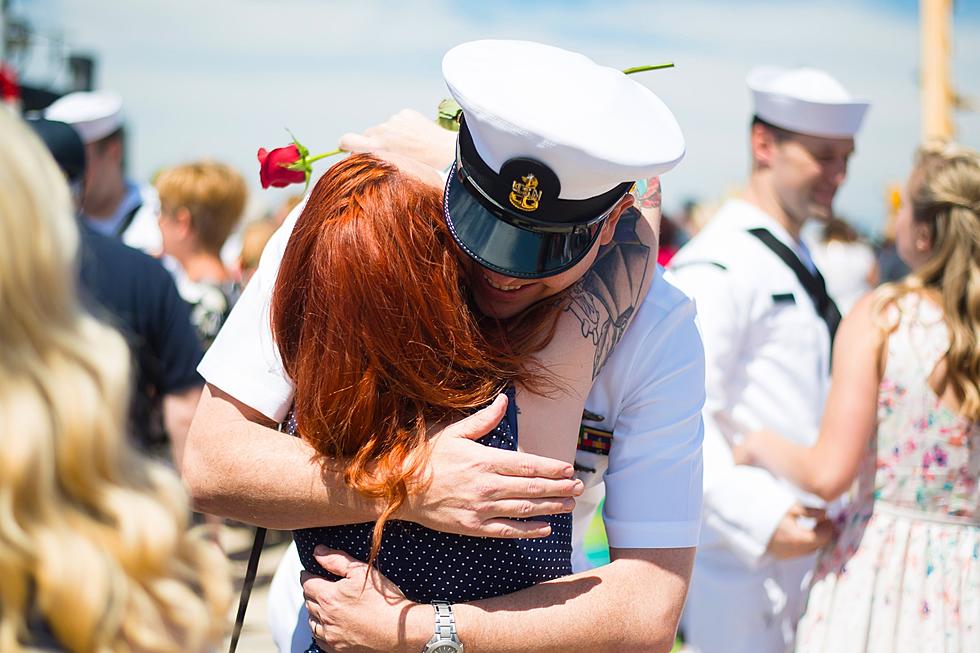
<point x="303" y="152"/>
<point x="643" y="69"/>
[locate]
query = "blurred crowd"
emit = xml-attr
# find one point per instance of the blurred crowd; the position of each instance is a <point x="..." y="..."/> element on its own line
<point x="90" y="500"/>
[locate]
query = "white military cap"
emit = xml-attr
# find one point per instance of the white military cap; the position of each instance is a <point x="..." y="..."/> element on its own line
<point x="549" y="142"/>
<point x="94" y="115"/>
<point x="805" y="100"/>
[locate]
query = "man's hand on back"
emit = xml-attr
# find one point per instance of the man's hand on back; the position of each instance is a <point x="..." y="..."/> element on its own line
<point x="471" y="489"/>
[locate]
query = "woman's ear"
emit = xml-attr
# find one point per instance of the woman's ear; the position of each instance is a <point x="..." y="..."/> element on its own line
<point x="923" y="237"/>
<point x="609" y="226"/>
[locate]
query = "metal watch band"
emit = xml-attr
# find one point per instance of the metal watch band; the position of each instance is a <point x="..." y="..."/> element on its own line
<point x="445" y="621"/>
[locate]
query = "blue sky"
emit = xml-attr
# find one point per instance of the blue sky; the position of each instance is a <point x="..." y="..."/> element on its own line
<point x="221" y="78"/>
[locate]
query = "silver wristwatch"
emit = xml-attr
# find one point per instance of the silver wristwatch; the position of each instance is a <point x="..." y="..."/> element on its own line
<point x="445" y="639"/>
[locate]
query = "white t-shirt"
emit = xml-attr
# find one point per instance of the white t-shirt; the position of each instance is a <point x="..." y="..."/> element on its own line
<point x="650" y="395"/>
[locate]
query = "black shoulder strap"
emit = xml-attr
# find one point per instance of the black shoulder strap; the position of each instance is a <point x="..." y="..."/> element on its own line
<point x="128" y="220"/>
<point x="812" y="282"/>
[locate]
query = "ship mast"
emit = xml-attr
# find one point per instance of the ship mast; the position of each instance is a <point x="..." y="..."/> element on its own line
<point x="938" y="98"/>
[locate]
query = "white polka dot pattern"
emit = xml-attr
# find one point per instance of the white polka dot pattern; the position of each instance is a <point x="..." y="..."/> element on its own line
<point x="430" y="565"/>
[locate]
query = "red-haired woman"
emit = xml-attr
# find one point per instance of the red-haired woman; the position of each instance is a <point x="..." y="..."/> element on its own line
<point x="374" y="326"/>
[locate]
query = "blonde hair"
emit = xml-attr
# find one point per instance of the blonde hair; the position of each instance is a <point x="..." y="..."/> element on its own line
<point x="945" y="196"/>
<point x="94" y="537"/>
<point x="213" y="193"/>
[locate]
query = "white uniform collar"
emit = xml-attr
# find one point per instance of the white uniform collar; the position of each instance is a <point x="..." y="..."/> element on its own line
<point x="747" y="216"/>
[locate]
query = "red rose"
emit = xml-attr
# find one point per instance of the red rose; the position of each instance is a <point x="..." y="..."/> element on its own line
<point x="273" y="170"/>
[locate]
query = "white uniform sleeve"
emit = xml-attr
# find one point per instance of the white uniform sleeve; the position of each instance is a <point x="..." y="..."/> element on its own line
<point x="244" y="360"/>
<point x="653" y="481"/>
<point x="742" y="505"/>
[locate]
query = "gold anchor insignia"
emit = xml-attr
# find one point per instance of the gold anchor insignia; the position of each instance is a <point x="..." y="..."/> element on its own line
<point x="525" y="196"/>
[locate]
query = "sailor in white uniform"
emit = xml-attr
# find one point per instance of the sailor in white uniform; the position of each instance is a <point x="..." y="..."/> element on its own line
<point x="641" y="452"/>
<point x="112" y="205"/>
<point x="767" y="324"/>
<point x="641" y="433"/>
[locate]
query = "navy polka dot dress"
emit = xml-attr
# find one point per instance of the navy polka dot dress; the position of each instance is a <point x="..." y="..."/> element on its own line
<point x="429" y="565"/>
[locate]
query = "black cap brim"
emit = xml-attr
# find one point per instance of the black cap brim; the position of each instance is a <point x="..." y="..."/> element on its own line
<point x="494" y="243"/>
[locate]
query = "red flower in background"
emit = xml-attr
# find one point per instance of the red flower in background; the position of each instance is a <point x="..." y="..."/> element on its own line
<point x="9" y="86"/>
<point x="274" y="170"/>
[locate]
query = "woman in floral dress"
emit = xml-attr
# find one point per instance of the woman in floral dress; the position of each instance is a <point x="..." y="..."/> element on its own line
<point x="903" y="419"/>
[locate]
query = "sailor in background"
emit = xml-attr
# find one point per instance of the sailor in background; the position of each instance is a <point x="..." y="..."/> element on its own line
<point x="767" y="325"/>
<point x="112" y="204"/>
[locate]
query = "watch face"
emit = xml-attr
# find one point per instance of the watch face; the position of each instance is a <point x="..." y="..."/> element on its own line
<point x="446" y="648"/>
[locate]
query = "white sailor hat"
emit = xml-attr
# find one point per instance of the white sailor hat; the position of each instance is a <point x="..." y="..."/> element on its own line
<point x="94" y="115"/>
<point x="805" y="100"/>
<point x="549" y="142"/>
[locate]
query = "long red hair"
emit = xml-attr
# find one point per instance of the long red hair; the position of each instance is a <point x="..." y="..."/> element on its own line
<point x="375" y="330"/>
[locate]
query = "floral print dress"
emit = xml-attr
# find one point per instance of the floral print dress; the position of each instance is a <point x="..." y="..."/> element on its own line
<point x="904" y="573"/>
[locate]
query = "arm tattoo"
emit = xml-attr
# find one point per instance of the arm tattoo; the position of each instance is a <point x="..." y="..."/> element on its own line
<point x="649" y="196"/>
<point x="605" y="299"/>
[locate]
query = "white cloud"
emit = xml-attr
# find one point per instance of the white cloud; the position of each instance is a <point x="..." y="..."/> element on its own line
<point x="222" y="77"/>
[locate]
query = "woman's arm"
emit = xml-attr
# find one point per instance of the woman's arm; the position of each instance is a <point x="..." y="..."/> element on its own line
<point x="828" y="468"/>
<point x="600" y="306"/>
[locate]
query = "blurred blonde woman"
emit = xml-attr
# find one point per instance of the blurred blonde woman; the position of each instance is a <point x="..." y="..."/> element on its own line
<point x="903" y="420"/>
<point x="95" y="555"/>
<point x="201" y="203"/>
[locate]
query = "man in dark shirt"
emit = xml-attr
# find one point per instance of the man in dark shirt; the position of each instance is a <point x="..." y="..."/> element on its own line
<point x="135" y="293"/>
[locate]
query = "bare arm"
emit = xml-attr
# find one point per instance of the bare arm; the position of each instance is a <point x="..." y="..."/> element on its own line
<point x="272" y="479"/>
<point x="600" y="307"/>
<point x="639" y="596"/>
<point x="643" y="590"/>
<point x="829" y="467"/>
<point x="178" y="411"/>
<point x="606" y="300"/>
